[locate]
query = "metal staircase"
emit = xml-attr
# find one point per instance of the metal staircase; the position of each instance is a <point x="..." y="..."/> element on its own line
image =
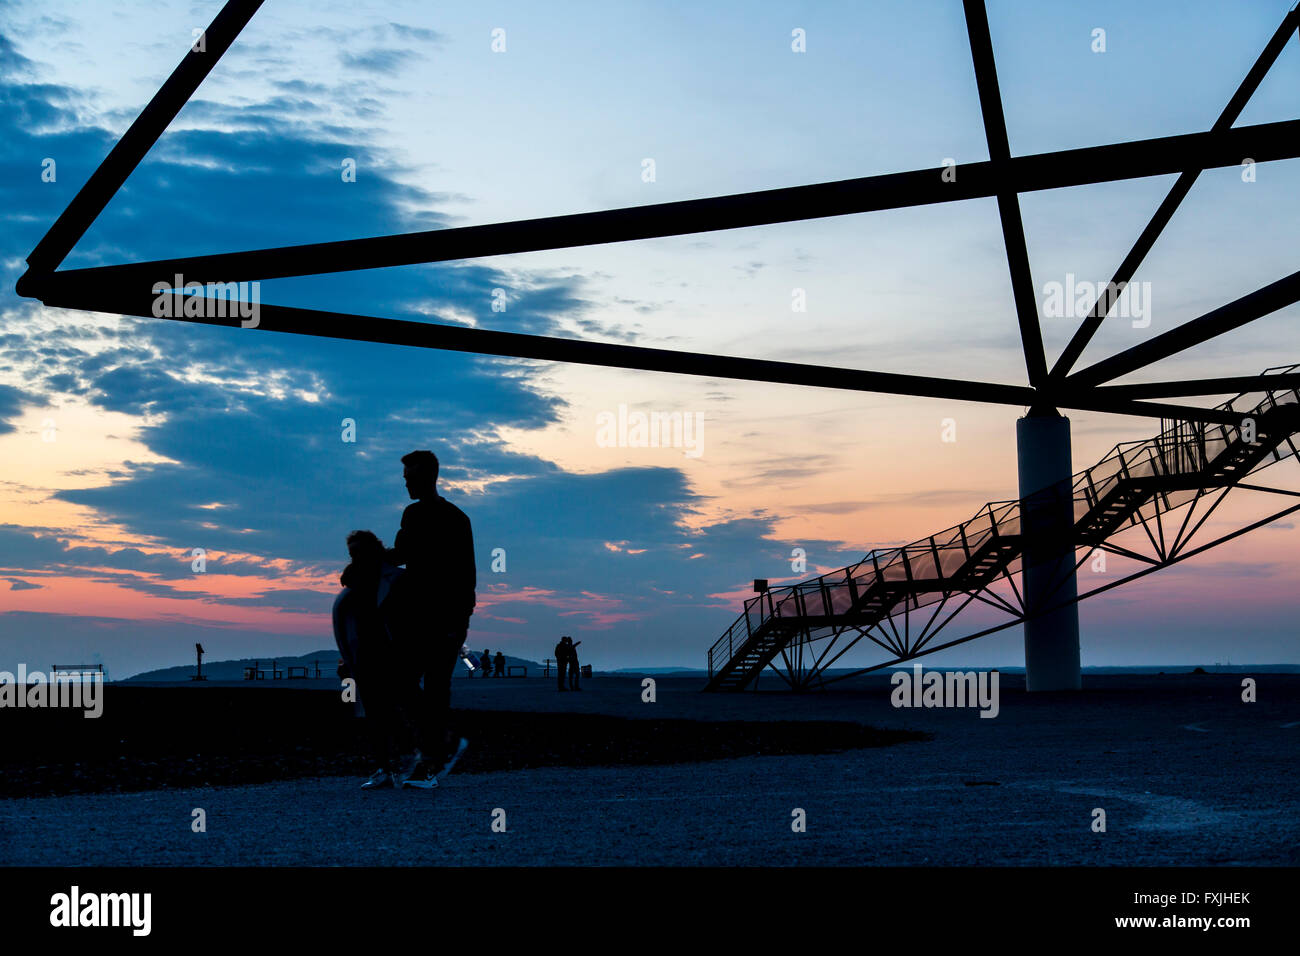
<point x="1135" y="486"/>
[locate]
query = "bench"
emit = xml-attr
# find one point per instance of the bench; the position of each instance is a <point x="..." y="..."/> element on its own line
<point x="256" y="672"/>
<point x="510" y="671"/>
<point x="83" y="672"/>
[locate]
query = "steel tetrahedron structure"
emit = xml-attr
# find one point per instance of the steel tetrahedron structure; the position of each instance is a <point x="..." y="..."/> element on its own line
<point x="1200" y="452"/>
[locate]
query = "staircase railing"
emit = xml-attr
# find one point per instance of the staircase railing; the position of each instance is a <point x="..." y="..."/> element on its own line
<point x="919" y="571"/>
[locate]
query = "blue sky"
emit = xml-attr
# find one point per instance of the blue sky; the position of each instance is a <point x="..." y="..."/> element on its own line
<point x="172" y="437"/>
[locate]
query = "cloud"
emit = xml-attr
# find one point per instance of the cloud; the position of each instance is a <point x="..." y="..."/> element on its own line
<point x="24" y="550"/>
<point x="252" y="421"/>
<point x="12" y="401"/>
<point x="13" y="63"/>
<point x="959" y="497"/>
<point x="378" y="60"/>
<point x="293" y="600"/>
<point x="423" y="34"/>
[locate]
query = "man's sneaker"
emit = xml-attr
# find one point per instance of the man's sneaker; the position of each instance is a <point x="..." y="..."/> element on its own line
<point x="378" y="780"/>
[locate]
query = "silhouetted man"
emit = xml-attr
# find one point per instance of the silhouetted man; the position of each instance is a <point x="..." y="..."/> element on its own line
<point x="561" y="661"/>
<point x="500" y="660"/>
<point x="436" y="544"/>
<point x="486" y="661"/>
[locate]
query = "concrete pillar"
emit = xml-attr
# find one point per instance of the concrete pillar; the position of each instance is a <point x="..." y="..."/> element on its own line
<point x="1048" y="576"/>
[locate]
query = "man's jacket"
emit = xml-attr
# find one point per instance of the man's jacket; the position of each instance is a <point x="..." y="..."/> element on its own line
<point x="436" y="544"/>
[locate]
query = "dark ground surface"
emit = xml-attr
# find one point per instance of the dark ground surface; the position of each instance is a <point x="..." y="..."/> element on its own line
<point x="152" y="738"/>
<point x="1187" y="773"/>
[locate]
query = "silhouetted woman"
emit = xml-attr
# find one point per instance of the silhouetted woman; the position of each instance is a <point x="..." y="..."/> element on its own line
<point x="573" y="664"/>
<point x="561" y="662"/>
<point x="362" y="617"/>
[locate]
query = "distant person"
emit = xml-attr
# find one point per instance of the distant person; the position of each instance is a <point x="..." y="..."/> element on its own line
<point x="567" y="658"/>
<point x="573" y="665"/>
<point x="362" y="615"/>
<point x="486" y="661"/>
<point x="561" y="661"/>
<point x="501" y="664"/>
<point x="436" y="544"/>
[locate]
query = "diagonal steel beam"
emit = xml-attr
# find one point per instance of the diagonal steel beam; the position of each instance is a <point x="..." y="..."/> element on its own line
<point x="1235" y="384"/>
<point x="1083" y="335"/>
<point x="122" y="160"/>
<point x="1089" y="400"/>
<point x="1013" y="228"/>
<point x="1073" y="167"/>
<point x="365" y="328"/>
<point x="1235" y="314"/>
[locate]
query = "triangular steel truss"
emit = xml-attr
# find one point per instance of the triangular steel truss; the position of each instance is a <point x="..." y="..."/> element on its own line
<point x="130" y="289"/>
<point x="127" y="289"/>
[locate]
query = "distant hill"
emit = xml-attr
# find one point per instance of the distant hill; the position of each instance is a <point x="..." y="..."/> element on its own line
<point x="234" y="670"/>
<point x="328" y="660"/>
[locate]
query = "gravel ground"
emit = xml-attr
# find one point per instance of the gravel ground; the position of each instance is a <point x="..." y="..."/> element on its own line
<point x="1186" y="772"/>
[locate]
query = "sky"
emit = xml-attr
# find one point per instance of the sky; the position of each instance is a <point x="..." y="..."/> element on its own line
<point x="128" y="443"/>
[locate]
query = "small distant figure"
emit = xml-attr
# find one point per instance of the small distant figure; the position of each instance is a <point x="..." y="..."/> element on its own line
<point x="561" y="661"/>
<point x="566" y="661"/>
<point x="485" y="660"/>
<point x="500" y="661"/>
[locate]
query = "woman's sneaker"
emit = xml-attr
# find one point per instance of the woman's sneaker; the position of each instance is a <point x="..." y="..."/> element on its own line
<point x="378" y="780"/>
<point x="455" y="755"/>
<point x="423" y="779"/>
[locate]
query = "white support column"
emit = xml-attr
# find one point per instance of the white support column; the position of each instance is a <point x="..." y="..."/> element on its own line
<point x="1048" y="576"/>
